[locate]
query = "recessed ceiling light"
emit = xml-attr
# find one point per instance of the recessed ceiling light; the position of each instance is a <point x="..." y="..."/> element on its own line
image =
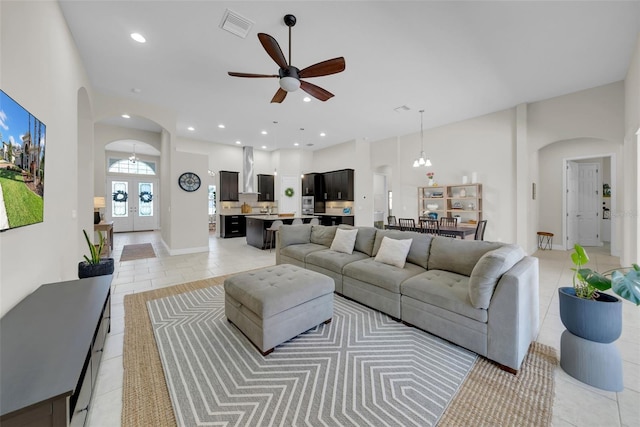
<point x="138" y="37"/>
<point x="264" y="132"/>
<point x="323" y="134"/>
<point x="295" y="144"/>
<point x="238" y="142"/>
<point x="221" y="126"/>
<point x="126" y="116"/>
<point x="264" y="147"/>
<point x="191" y="128"/>
<point x="306" y="99"/>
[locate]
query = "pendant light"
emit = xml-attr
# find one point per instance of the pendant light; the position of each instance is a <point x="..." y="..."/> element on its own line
<point x="133" y="157"/>
<point x="422" y="160"/>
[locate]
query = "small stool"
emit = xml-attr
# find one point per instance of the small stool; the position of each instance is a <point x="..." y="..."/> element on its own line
<point x="545" y="240"/>
<point x="274" y="304"/>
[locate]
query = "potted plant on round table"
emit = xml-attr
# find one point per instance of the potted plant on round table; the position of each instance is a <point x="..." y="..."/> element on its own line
<point x="594" y="321"/>
<point x="94" y="265"/>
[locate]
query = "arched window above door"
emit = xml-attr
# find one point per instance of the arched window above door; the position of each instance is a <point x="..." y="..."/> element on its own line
<point x="139" y="167"/>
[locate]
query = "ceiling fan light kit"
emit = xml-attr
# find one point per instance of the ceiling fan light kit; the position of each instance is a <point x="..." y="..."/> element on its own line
<point x="290" y="76"/>
<point x="422" y="160"/>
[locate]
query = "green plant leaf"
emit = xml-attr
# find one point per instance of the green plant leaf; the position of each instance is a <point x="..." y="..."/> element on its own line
<point x="579" y="257"/>
<point x="627" y="285"/>
<point x="595" y="279"/>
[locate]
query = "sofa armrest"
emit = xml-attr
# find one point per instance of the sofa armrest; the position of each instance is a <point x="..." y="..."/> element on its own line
<point x="513" y="314"/>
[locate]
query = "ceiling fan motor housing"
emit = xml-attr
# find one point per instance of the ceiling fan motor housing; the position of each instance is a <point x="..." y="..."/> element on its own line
<point x="289" y="20"/>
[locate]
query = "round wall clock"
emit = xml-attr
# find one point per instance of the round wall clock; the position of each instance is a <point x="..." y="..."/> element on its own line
<point x="189" y="181"/>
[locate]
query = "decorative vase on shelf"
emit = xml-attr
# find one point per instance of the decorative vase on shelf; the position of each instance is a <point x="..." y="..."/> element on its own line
<point x="463" y="192"/>
<point x="431" y="183"/>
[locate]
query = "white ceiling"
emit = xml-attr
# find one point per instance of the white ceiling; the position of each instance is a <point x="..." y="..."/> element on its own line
<point x="455" y="60"/>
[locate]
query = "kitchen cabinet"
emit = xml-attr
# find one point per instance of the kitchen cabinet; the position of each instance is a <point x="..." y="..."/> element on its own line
<point x="336" y="219"/>
<point x="228" y="186"/>
<point x="233" y="226"/>
<point x="265" y="188"/>
<point x="339" y="185"/>
<point x="312" y="185"/>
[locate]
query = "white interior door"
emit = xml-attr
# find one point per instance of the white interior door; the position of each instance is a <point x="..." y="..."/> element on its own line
<point x="572" y="204"/>
<point x="290" y="204"/>
<point x="588" y="204"/>
<point x="133" y="204"/>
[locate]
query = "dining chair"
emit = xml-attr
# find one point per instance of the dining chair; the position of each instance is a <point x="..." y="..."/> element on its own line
<point x="448" y="221"/>
<point x="430" y="226"/>
<point x="271" y="232"/>
<point x="297" y="221"/>
<point x="407" y="224"/>
<point x="391" y="220"/>
<point x="480" y="230"/>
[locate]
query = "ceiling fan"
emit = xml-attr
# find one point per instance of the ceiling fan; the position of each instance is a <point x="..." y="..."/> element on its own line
<point x="290" y="76"/>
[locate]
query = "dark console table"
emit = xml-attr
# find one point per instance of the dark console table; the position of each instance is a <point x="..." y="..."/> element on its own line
<point x="50" y="349"/>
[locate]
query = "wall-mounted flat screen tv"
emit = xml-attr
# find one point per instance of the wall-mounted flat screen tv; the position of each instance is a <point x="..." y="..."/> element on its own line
<point x="21" y="165"/>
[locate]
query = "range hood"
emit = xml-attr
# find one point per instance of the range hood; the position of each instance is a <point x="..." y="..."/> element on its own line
<point x="247" y="171"/>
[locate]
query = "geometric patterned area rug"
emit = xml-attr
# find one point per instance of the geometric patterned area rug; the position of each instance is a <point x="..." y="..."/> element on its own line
<point x="363" y="368"/>
<point x="139" y="251"/>
<point x="488" y="397"/>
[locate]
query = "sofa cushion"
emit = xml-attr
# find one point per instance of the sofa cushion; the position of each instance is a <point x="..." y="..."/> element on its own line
<point x="393" y="251"/>
<point x="333" y="260"/>
<point x="457" y="255"/>
<point x="323" y="234"/>
<point x="487" y="272"/>
<point x="294" y="234"/>
<point x="419" y="251"/>
<point x="384" y="276"/>
<point x="344" y="240"/>
<point x="365" y="238"/>
<point x="444" y="289"/>
<point x="300" y="252"/>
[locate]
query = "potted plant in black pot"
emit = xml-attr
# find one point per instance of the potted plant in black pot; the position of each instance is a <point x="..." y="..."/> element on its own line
<point x="95" y="265"/>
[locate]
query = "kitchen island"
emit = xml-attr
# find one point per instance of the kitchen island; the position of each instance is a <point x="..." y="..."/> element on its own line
<point x="258" y="224"/>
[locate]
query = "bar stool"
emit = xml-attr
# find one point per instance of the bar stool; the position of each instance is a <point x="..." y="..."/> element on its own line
<point x="545" y="240"/>
<point x="271" y="232"/>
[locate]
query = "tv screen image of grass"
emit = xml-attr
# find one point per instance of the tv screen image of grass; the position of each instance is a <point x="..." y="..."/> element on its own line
<point x="21" y="165"/>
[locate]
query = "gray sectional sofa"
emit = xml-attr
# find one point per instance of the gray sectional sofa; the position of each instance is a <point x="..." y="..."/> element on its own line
<point x="480" y="295"/>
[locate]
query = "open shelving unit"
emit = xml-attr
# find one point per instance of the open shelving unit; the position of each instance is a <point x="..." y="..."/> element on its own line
<point x="460" y="200"/>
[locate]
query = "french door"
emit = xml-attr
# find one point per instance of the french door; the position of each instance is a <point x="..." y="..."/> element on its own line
<point x="134" y="203"/>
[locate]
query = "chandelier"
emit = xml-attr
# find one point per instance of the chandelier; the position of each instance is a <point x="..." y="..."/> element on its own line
<point x="422" y="160"/>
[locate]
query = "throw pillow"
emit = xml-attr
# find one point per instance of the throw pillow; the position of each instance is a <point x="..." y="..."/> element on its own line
<point x="393" y="251"/>
<point x="344" y="241"/>
<point x="486" y="273"/>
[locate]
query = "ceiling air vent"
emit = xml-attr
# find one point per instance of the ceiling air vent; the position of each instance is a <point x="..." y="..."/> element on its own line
<point x="235" y="24"/>
<point x="401" y="109"/>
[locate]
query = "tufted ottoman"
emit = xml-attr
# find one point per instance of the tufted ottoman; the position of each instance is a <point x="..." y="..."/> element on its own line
<point x="274" y="304"/>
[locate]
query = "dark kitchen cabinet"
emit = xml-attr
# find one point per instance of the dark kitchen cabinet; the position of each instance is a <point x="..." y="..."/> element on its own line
<point x="228" y="186"/>
<point x="336" y="220"/>
<point x="311" y="185"/>
<point x="338" y="185"/>
<point x="233" y="226"/>
<point x="265" y="188"/>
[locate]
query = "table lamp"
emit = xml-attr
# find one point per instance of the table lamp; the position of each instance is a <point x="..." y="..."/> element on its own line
<point x="98" y="202"/>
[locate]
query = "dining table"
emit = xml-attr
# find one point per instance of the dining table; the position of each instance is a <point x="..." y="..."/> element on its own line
<point x="457" y="231"/>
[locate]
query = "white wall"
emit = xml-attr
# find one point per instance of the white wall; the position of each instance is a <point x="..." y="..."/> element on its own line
<point x="47" y="84"/>
<point x="631" y="199"/>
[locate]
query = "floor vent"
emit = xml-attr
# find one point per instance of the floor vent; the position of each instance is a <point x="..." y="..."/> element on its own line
<point x="236" y="24"/>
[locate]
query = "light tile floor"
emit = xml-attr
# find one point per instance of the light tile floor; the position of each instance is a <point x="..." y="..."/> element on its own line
<point x="576" y="404"/>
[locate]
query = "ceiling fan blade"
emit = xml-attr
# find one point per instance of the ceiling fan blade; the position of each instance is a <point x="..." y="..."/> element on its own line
<point x="231" y="73"/>
<point x="315" y="91"/>
<point x="324" y="68"/>
<point x="273" y="49"/>
<point x="279" y="96"/>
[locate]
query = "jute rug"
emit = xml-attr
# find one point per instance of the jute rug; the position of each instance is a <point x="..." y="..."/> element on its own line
<point x="139" y="251"/>
<point x="488" y="397"/>
<point x="363" y="368"/>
